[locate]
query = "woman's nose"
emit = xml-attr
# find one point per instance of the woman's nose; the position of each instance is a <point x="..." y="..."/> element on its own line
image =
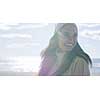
<point x="70" y="40"/>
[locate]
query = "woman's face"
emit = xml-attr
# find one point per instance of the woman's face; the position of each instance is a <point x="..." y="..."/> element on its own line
<point x="67" y="38"/>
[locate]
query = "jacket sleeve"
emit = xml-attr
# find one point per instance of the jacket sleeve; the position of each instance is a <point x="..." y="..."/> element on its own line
<point x="45" y="66"/>
<point x="81" y="68"/>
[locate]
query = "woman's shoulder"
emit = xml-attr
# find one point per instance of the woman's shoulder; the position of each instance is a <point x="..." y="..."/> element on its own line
<point x="80" y="60"/>
<point x="48" y="58"/>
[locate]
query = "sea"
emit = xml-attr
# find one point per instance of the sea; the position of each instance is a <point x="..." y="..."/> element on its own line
<point x="95" y="69"/>
<point x="30" y="65"/>
<point x="21" y="65"/>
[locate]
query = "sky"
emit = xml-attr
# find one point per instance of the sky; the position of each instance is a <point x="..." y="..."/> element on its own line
<point x="89" y="38"/>
<point x="28" y="39"/>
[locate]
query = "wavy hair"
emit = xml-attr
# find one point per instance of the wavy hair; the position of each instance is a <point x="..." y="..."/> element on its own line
<point x="68" y="58"/>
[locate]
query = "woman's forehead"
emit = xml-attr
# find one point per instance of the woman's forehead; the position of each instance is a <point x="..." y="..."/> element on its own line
<point x="68" y="28"/>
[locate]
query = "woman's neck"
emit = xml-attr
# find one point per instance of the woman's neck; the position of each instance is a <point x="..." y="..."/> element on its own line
<point x="59" y="50"/>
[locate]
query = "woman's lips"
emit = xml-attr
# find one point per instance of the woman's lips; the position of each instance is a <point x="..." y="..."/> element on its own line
<point x="68" y="45"/>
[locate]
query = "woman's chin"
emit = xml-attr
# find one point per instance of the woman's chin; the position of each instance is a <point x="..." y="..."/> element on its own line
<point x="66" y="49"/>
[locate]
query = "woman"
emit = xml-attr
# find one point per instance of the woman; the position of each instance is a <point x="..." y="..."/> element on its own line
<point x="64" y="56"/>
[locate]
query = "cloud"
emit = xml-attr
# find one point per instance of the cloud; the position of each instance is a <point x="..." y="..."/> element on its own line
<point x="32" y="25"/>
<point x="4" y="26"/>
<point x="8" y="26"/>
<point x="21" y="45"/>
<point x="89" y="25"/>
<point x="91" y="34"/>
<point x="15" y="35"/>
<point x="90" y="30"/>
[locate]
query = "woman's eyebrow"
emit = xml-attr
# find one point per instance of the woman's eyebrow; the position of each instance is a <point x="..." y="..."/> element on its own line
<point x="68" y="33"/>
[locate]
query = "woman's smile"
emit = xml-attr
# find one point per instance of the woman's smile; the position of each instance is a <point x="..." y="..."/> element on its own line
<point x="68" y="45"/>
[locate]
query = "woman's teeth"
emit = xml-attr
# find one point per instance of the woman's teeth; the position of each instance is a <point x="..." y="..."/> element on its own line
<point x="68" y="44"/>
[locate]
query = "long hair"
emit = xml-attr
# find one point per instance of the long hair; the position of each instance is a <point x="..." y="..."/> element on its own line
<point x="51" y="48"/>
<point x="67" y="60"/>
